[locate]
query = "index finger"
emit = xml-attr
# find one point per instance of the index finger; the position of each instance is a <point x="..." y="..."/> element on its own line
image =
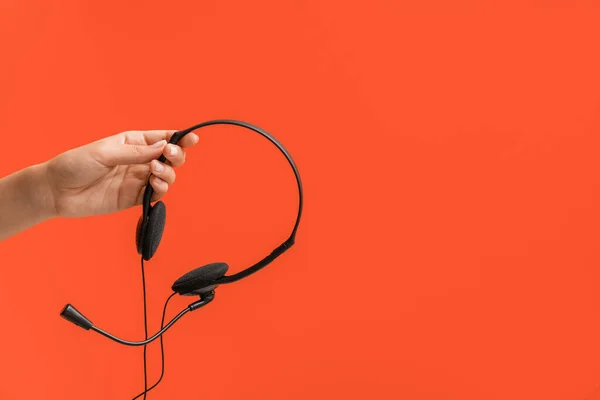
<point x="188" y="140"/>
<point x="153" y="136"/>
<point x="147" y="138"/>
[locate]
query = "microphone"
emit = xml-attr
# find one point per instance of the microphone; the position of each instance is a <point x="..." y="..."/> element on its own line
<point x="73" y="315"/>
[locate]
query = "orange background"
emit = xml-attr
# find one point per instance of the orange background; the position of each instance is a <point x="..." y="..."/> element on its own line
<point x="449" y="152"/>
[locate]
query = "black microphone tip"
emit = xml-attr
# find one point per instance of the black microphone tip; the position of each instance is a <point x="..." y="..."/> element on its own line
<point x="72" y="315"/>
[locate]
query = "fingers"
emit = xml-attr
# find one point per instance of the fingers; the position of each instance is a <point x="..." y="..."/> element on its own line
<point x="151" y="137"/>
<point x="141" y="147"/>
<point x="188" y="140"/>
<point x="160" y="187"/>
<point x="174" y="154"/>
<point x="112" y="154"/>
<point x="163" y="171"/>
<point x="163" y="175"/>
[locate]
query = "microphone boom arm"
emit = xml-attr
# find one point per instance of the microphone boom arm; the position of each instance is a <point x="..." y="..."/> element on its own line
<point x="142" y="343"/>
<point x="72" y="315"/>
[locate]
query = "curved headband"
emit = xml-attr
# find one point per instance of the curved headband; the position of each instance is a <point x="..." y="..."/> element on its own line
<point x="279" y="249"/>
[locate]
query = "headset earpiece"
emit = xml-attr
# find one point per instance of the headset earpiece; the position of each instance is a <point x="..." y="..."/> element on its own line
<point x="150" y="233"/>
<point x="138" y="234"/>
<point x="200" y="280"/>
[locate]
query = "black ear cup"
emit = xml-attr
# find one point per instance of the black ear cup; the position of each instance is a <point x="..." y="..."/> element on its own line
<point x="138" y="234"/>
<point x="151" y="234"/>
<point x="200" y="279"/>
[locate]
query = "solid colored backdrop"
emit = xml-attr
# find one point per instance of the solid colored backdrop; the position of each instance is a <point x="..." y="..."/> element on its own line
<point x="449" y="152"/>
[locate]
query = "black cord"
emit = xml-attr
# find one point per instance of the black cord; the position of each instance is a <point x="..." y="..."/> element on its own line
<point x="145" y="329"/>
<point x="162" y="351"/>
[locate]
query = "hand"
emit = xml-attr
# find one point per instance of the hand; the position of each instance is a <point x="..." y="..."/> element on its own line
<point x="111" y="174"/>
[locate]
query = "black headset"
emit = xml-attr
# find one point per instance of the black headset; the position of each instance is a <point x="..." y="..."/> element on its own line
<point x="200" y="281"/>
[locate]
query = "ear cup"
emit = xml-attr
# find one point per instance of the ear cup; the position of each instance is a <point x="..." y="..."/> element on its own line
<point x="200" y="279"/>
<point x="153" y="232"/>
<point x="138" y="234"/>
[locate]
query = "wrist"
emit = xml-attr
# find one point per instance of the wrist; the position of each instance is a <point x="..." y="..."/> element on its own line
<point x="39" y="190"/>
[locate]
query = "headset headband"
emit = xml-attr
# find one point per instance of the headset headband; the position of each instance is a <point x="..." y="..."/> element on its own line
<point x="279" y="249"/>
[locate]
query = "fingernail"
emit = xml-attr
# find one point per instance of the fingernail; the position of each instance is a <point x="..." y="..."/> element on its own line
<point x="172" y="150"/>
<point x="158" y="167"/>
<point x="159" y="144"/>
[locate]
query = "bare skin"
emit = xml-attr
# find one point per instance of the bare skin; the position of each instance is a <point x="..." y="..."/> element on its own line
<point x="102" y="177"/>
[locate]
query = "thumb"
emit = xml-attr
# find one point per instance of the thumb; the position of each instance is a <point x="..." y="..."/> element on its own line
<point x="124" y="154"/>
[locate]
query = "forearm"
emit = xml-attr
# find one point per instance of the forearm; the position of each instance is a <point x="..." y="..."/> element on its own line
<point x="25" y="200"/>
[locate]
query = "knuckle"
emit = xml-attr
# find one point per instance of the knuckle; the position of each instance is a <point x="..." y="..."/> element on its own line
<point x="159" y="185"/>
<point x="137" y="149"/>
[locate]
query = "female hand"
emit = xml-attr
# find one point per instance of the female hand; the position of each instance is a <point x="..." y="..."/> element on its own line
<point x="111" y="174"/>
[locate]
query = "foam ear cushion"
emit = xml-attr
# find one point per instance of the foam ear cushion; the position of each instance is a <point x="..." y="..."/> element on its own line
<point x="200" y="278"/>
<point x="138" y="233"/>
<point x="154" y="230"/>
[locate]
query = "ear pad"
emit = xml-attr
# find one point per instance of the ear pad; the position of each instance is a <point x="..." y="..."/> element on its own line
<point x="138" y="233"/>
<point x="200" y="278"/>
<point x="153" y="232"/>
